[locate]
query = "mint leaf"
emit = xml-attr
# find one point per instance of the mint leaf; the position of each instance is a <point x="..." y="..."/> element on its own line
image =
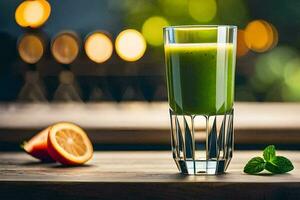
<point x="269" y="153"/>
<point x="272" y="168"/>
<point x="279" y="165"/>
<point x="271" y="162"/>
<point x="255" y="165"/>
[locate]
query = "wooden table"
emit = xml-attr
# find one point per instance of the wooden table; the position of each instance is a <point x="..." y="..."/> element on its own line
<point x="139" y="175"/>
<point x="140" y="123"/>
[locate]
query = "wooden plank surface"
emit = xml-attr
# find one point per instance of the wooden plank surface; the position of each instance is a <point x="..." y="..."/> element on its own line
<point x="140" y="115"/>
<point x="146" y="123"/>
<point x="138" y="175"/>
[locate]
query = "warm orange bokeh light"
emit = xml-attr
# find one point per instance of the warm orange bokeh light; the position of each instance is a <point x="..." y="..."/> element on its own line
<point x="19" y="14"/>
<point x="98" y="47"/>
<point x="47" y="9"/>
<point x="65" y="47"/>
<point x="33" y="13"/>
<point x="31" y="48"/>
<point x="259" y="36"/>
<point x="130" y="45"/>
<point x="242" y="48"/>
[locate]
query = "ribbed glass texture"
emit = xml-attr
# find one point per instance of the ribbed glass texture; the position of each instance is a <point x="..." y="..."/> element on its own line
<point x="202" y="144"/>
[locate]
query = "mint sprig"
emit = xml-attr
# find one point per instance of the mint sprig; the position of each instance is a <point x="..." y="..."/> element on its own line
<point x="270" y="162"/>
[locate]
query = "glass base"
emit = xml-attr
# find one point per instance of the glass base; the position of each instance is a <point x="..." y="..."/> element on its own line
<point x="202" y="144"/>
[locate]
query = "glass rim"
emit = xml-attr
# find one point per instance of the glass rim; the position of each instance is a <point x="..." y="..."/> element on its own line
<point x="198" y="27"/>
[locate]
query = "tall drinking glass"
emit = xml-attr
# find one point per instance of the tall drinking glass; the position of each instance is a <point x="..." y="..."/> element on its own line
<point x="200" y="68"/>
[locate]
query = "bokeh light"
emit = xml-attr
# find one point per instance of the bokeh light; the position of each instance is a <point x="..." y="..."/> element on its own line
<point x="30" y="48"/>
<point x="269" y="67"/>
<point x="203" y="10"/>
<point x="173" y="8"/>
<point x="130" y="45"/>
<point x="277" y="74"/>
<point x="65" y="47"/>
<point x="260" y="36"/>
<point x="291" y="89"/>
<point x="152" y="30"/>
<point x="66" y="77"/>
<point x="47" y="9"/>
<point x="242" y="48"/>
<point x="19" y="14"/>
<point x="32" y="13"/>
<point x="98" y="47"/>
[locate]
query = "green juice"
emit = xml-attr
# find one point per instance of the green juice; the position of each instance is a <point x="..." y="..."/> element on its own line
<point x="200" y="78"/>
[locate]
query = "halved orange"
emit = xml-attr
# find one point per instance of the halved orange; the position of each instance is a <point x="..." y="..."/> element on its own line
<point x="37" y="146"/>
<point x="69" y="144"/>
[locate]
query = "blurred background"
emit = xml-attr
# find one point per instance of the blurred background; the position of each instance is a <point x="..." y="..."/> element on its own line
<point x="268" y="65"/>
<point x="112" y="51"/>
